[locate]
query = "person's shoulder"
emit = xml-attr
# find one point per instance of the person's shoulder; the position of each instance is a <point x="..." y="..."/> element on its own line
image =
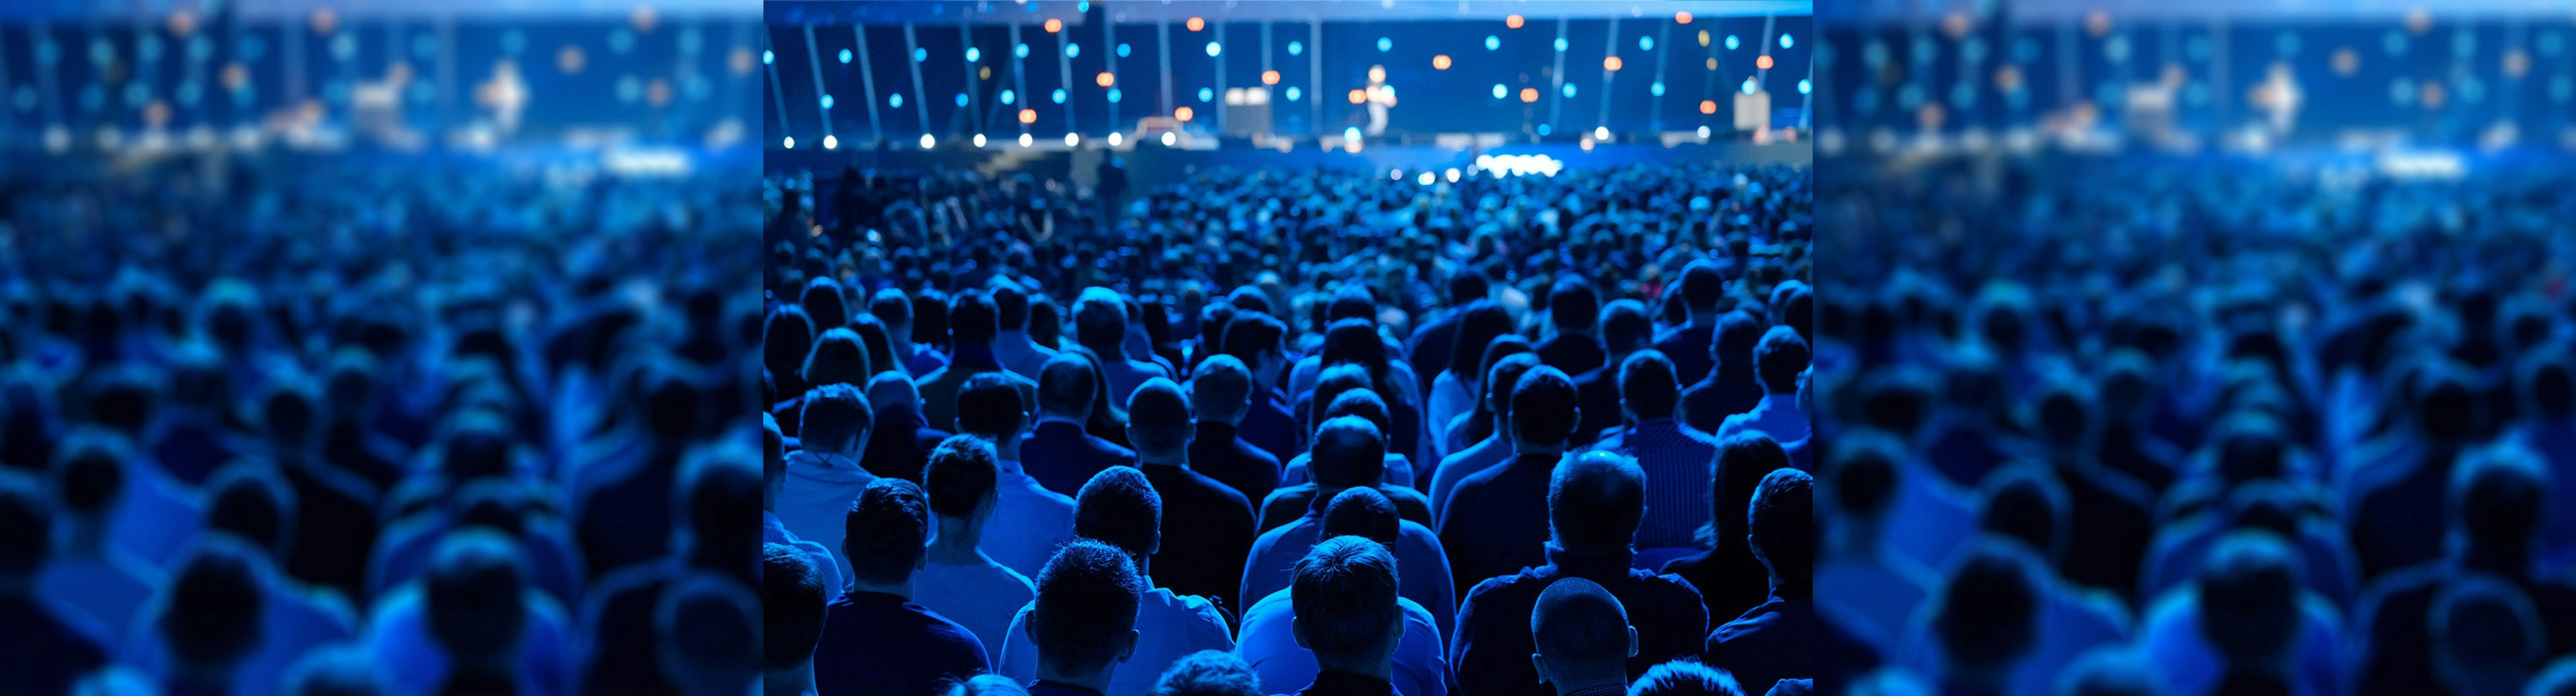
<point x="1522" y="586"/>
<point x="1667" y="586"/>
<point x="1193" y="611"/>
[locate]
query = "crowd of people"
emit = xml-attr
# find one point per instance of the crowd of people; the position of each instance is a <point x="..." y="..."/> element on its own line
<point x="2119" y="426"/>
<point x="351" y="425"/>
<point x="1270" y="432"/>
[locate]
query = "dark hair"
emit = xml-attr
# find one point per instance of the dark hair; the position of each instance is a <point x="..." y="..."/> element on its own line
<point x="1343" y="591"/>
<point x="1544" y="406"/>
<point x="1478" y="325"/>
<point x="1466" y="287"/>
<point x="1625" y="327"/>
<point x="1066" y="384"/>
<point x="1685" y="677"/>
<point x="1779" y="358"/>
<point x="2249" y="597"/>
<point x="1793" y="306"/>
<point x="833" y="413"/>
<point x="2498" y="496"/>
<point x="960" y="475"/>
<point x="1100" y="320"/>
<point x="246" y="498"/>
<point x="892" y="306"/>
<point x="472" y="593"/>
<point x="2025" y="502"/>
<point x="1505" y="363"/>
<point x="837" y="358"/>
<point x="786" y="340"/>
<point x="89" y="471"/>
<point x="989" y="405"/>
<point x="26" y="527"/>
<point x="1362" y="511"/>
<point x="1731" y="343"/>
<point x="822" y="301"/>
<point x="1045" y="321"/>
<point x="1221" y="388"/>
<point x="1330" y="384"/>
<point x="1649" y="385"/>
<point x="1572" y="302"/>
<point x="1702" y="286"/>
<point x="1010" y="305"/>
<point x="1251" y="333"/>
<point x="1577" y="622"/>
<point x="1988" y="613"/>
<point x="1208" y="673"/>
<point x="1348" y="451"/>
<point x="971" y="318"/>
<point x="792" y="601"/>
<point x="1782" y="522"/>
<point x="1595" y="500"/>
<point x="884" y="532"/>
<point x="705" y="627"/>
<point x="1119" y="507"/>
<point x="1742" y="460"/>
<point x="932" y="313"/>
<point x="211" y="616"/>
<point x="1086" y="605"/>
<point x="1862" y="474"/>
<point x="1159" y="415"/>
<point x="2484" y="623"/>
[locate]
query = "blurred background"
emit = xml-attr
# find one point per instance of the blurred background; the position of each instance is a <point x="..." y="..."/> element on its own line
<point x="383" y="347"/>
<point x="2198" y="347"/>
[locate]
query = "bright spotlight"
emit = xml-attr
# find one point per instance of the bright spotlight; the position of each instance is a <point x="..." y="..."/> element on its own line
<point x="766" y="57"/>
<point x="1169" y="139"/>
<point x="1601" y="133"/>
<point x="979" y="139"/>
<point x="1026" y="141"/>
<point x="1351" y="133"/>
<point x="1451" y="175"/>
<point x="1296" y="48"/>
<point x="789" y="142"/>
<point x="1214" y="49"/>
<point x="927" y="142"/>
<point x="1426" y="178"/>
<point x="834" y="142"/>
<point x="845" y="56"/>
<point x="1072" y="139"/>
<point x="1703" y="132"/>
<point x="1500" y="91"/>
<point x="1805" y="87"/>
<point x="1395" y="175"/>
<point x="1786" y="42"/>
<point x="1115" y="139"/>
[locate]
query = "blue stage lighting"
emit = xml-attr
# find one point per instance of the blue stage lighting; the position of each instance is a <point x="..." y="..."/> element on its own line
<point x="622" y="40"/>
<point x="974" y="54"/>
<point x="250" y="48"/>
<point x="514" y="42"/>
<point x="1009" y="96"/>
<point x="1560" y="44"/>
<point x="961" y="98"/>
<point x="1804" y="87"/>
<point x="2464" y="43"/>
<point x="2402" y="91"/>
<point x="2562" y="89"/>
<point x="1962" y="95"/>
<point x="895" y="100"/>
<point x="1020" y="51"/>
<point x="1750" y="85"/>
<point x="1057" y="95"/>
<point x="1493" y="43"/>
<point x="2286" y="44"/>
<point x="1294" y="94"/>
<point x="1544" y="129"/>
<point x="2394" y="43"/>
<point x="766" y="57"/>
<point x="920" y="55"/>
<point x="1786" y="41"/>
<point x="1207" y="95"/>
<point x="1114" y="95"/>
<point x="1296" y="48"/>
<point x="1568" y="90"/>
<point x="1645" y="43"/>
<point x="1073" y="50"/>
<point x="827" y="100"/>
<point x="1122" y="50"/>
<point x="1656" y="89"/>
<point x="1213" y="49"/>
<point x="1499" y="90"/>
<point x="1732" y="42"/>
<point x="2116" y="49"/>
<point x="1351" y="133"/>
<point x="1385" y="44"/>
<point x="845" y="56"/>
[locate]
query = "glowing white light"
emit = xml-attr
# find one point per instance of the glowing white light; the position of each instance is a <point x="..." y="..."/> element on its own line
<point x="1426" y="178"/>
<point x="1072" y="139"/>
<point x="974" y="54"/>
<point x="1519" y="165"/>
<point x="1601" y="133"/>
<point x="1786" y="42"/>
<point x="1805" y="87"/>
<point x="1351" y="133"/>
<point x="1451" y="175"/>
<point x="1214" y="49"/>
<point x="789" y="142"/>
<point x="1169" y="139"/>
<point x="979" y="138"/>
<point x="927" y="142"/>
<point x="1749" y="86"/>
<point x="1026" y="141"/>
<point x="1703" y="132"/>
<point x="1395" y="175"/>
<point x="834" y="142"/>
<point x="1115" y="139"/>
<point x="1499" y="90"/>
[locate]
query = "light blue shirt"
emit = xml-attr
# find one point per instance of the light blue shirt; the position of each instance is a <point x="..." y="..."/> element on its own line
<point x="1270" y="645"/>
<point x="982" y="597"/>
<point x="774" y="532"/>
<point x="1422" y="567"/>
<point x="412" y="662"/>
<point x="1776" y="415"/>
<point x="1169" y="627"/>
<point x="1028" y="523"/>
<point x="815" y="502"/>
<point x="107" y="588"/>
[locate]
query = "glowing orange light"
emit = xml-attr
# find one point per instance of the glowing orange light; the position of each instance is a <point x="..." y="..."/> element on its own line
<point x="1440" y="62"/>
<point x="1183" y="113"/>
<point x="1197" y="24"/>
<point x="1529" y="94"/>
<point x="1054" y="25"/>
<point x="1105" y="79"/>
<point x="1762" y="62"/>
<point x="1513" y="21"/>
<point x="1611" y="63"/>
<point x="1707" y="106"/>
<point x="1269" y="77"/>
<point x="1681" y="18"/>
<point x="1359" y="96"/>
<point x="1028" y="115"/>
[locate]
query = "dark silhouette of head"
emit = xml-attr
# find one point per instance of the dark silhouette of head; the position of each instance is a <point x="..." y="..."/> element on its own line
<point x="1544" y="405"/>
<point x="1208" y="673"/>
<point x="2026" y="503"/>
<point x="2487" y="635"/>
<point x="1782" y="525"/>
<point x="1779" y="358"/>
<point x="961" y="476"/>
<point x="1595" y="500"/>
<point x="210" y="620"/>
<point x="885" y="530"/>
<point x="1582" y="634"/>
<point x="1344" y="594"/>
<point x="1119" y="507"/>
<point x="1363" y="512"/>
<point x="1066" y="386"/>
<point x="473" y="593"/>
<point x="792" y="601"/>
<point x="1221" y="389"/>
<point x="2249" y="603"/>
<point x="835" y="418"/>
<point x="989" y="406"/>
<point x="1084" y="619"/>
<point x="708" y="634"/>
<point x="1987" y="618"/>
<point x="1649" y="388"/>
<point x="1742" y="461"/>
<point x="1685" y="678"/>
<point x="1348" y="451"/>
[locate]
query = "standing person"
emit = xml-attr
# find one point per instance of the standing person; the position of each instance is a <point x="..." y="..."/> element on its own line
<point x="1112" y="190"/>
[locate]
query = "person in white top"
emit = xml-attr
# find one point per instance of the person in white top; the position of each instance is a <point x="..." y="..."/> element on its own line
<point x="959" y="581"/>
<point x="824" y="476"/>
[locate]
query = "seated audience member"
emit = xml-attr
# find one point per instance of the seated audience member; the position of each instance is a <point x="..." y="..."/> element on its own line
<point x="1729" y="578"/>
<point x="2024" y="503"/>
<point x="896" y="309"/>
<point x="1504" y="371"/>
<point x="773" y="479"/>
<point x="2247" y="622"/>
<point x="1675" y="457"/>
<point x="1347" y="449"/>
<point x="251" y="508"/>
<point x="2384" y="500"/>
<point x="1299" y="494"/>
<point x="1208" y="527"/>
<point x="1013" y="347"/>
<point x="1983" y="621"/>
<point x="956" y="579"/>
<point x="49" y="649"/>
<point x="875" y="639"/>
<point x="1432" y="344"/>
<point x="1327" y="400"/>
<point x="710" y="535"/>
<point x="1594" y="503"/>
<point x="2494" y="507"/>
<point x="1029" y="521"/>
<point x="1100" y="324"/>
<point x="706" y="627"/>
<point x="1685" y="678"/>
<point x="1732" y="385"/>
<point x="1778" y="360"/>
<point x="1221" y="393"/>
<point x="1268" y="637"/>
<point x="470" y="621"/>
<point x="2111" y="671"/>
<point x="1573" y="310"/>
<point x="2487" y="637"/>
<point x="1625" y="330"/>
<point x="1779" y="639"/>
<point x="1208" y="673"/>
<point x="1460" y="389"/>
<point x="1260" y="341"/>
<point x="1084" y="622"/>
<point x="1120" y="508"/>
<point x="792" y="601"/>
<point x="209" y="620"/>
<point x="1700" y="289"/>
<point x="339" y="670"/>
<point x="1583" y="639"/>
<point x="88" y="574"/>
<point x="1864" y="581"/>
<point x="787" y="338"/>
<point x="972" y="328"/>
<point x="1345" y="599"/>
<point x="1059" y="453"/>
<point x="2110" y="517"/>
<point x="1487" y="528"/>
<point x="824" y="476"/>
<point x="900" y="439"/>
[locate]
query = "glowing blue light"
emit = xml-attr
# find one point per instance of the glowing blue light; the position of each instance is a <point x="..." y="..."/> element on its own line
<point x="974" y="54"/>
<point x="1122" y="50"/>
<point x="1294" y="93"/>
<point x="920" y="55"/>
<point x="1009" y="96"/>
<point x="1647" y="43"/>
<point x="1749" y="86"/>
<point x="1020" y="51"/>
<point x="1568" y="90"/>
<point x="1084" y="6"/>
<point x="1656" y="89"/>
<point x="620" y="41"/>
<point x="2287" y="44"/>
<point x="1493" y="43"/>
<point x="1805" y="87"/>
<point x="961" y="98"/>
<point x="1385" y="44"/>
<point x="845" y="56"/>
<point x="1073" y="50"/>
<point x="827" y="100"/>
<point x="1732" y="42"/>
<point x="251" y="48"/>
<point x="1207" y="95"/>
<point x="1351" y="133"/>
<point x="765" y="56"/>
<point x="1786" y="42"/>
<point x="1296" y="48"/>
<point x="1114" y="96"/>
<point x="1544" y="129"/>
<point x="1963" y="95"/>
<point x="1057" y="95"/>
<point x="2402" y="91"/>
<point x="1500" y="90"/>
<point x="2116" y="49"/>
<point x="2561" y="89"/>
<point x="1214" y="49"/>
<point x="1560" y="45"/>
<point x="895" y="100"/>
<point x="2394" y="43"/>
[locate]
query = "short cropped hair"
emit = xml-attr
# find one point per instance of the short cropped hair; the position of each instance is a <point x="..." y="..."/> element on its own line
<point x="1010" y="304"/>
<point x="1544" y="406"/>
<point x="248" y="498"/>
<point x="792" y="601"/>
<point x="90" y="471"/>
<point x="1595" y="500"/>
<point x="892" y="307"/>
<point x="1576" y="622"/>
<point x="1343" y="592"/>
<point x="961" y="473"/>
<point x="1988" y="613"/>
<point x="1783" y="523"/>
<point x="1250" y="334"/>
<point x="473" y="593"/>
<point x="1100" y="319"/>
<point x="1649" y="384"/>
<point x="885" y="530"/>
<point x="1779" y="358"/>
<point x="1572" y="302"/>
<point x="1221" y="389"/>
<point x="1625" y="327"/>
<point x="1208" y="673"/>
<point x="1732" y="342"/>
<point x="989" y="405"/>
<point x="2026" y="503"/>
<point x="2498" y="496"/>
<point x="2249" y="596"/>
<point x="1348" y="451"/>
<point x="1086" y="605"/>
<point x="834" y="413"/>
<point x="1119" y="507"/>
<point x="1685" y="677"/>
<point x="1363" y="511"/>
<point x="971" y="318"/>
<point x="214" y="601"/>
<point x="1159" y="417"/>
<point x="1702" y="286"/>
<point x="1066" y="384"/>
<point x="837" y="358"/>
<point x="822" y="301"/>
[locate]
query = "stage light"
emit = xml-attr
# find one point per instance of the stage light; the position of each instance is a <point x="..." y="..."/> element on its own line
<point x="1500" y="91"/>
<point x="1749" y="86"/>
<point x="1732" y="42"/>
<point x="1105" y="79"/>
<point x="1440" y="62"/>
<point x="1114" y="95"/>
<point x="1568" y="90"/>
<point x="1057" y="96"/>
<point x="1786" y="41"/>
<point x="834" y="142"/>
<point x="1359" y="96"/>
<point x="1009" y="96"/>
<point x="827" y="101"/>
<point x="1682" y="18"/>
<point x="1712" y="63"/>
<point x="1708" y="106"/>
<point x="1070" y="139"/>
<point x="1545" y="129"/>
<point x="1612" y="63"/>
<point x="1529" y="94"/>
<point x="1762" y="62"/>
<point x="919" y="55"/>
<point x="1601" y="133"/>
<point x="961" y="98"/>
<point x="974" y="54"/>
<point x="1073" y="50"/>
<point x="1513" y="21"/>
<point x="1294" y="94"/>
<point x="1115" y="138"/>
<point x="1804" y="87"/>
<point x="1028" y="115"/>
<point x="1206" y="95"/>
<point x="845" y="56"/>
<point x="1645" y="43"/>
<point x="1054" y="25"/>
<point x="1426" y="178"/>
<point x="1451" y="174"/>
<point x="1026" y="141"/>
<point x="1493" y="43"/>
<point x="1351" y="133"/>
<point x="979" y="140"/>
<point x="2516" y="63"/>
<point x="1269" y="77"/>
<point x="1020" y="51"/>
<point x="1169" y="139"/>
<point x="1656" y="89"/>
<point x="1122" y="50"/>
<point x="1395" y="175"/>
<point x="894" y="100"/>
<point x="1213" y="49"/>
<point x="789" y="142"/>
<point x="1703" y="38"/>
<point x="1296" y="48"/>
<point x="1183" y="114"/>
<point x="1197" y="23"/>
<point x="1385" y="44"/>
<point x="1703" y="132"/>
<point x="1560" y="44"/>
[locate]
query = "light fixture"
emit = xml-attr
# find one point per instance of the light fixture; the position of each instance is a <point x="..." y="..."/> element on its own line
<point x="1213" y="49"/>
<point x="1440" y="62"/>
<point x="1500" y="91"/>
<point x="834" y="142"/>
<point x="1513" y="21"/>
<point x="1184" y="113"/>
<point x="1026" y="141"/>
<point x="1601" y="133"/>
<point x="1426" y="178"/>
<point x="789" y="142"/>
<point x="1115" y="139"/>
<point x="1612" y="64"/>
<point x="1451" y="175"/>
<point x="927" y="142"/>
<point x="1703" y="132"/>
<point x="1169" y="139"/>
<point x="1072" y="139"/>
<point x="979" y="140"/>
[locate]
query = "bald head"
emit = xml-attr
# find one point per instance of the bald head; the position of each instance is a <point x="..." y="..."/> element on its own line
<point x="1582" y="634"/>
<point x="1221" y="389"/>
<point x="1596" y="500"/>
<point x="891" y="389"/>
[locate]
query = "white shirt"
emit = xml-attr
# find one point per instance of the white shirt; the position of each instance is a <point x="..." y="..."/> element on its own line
<point x="1169" y="627"/>
<point x="982" y="597"/>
